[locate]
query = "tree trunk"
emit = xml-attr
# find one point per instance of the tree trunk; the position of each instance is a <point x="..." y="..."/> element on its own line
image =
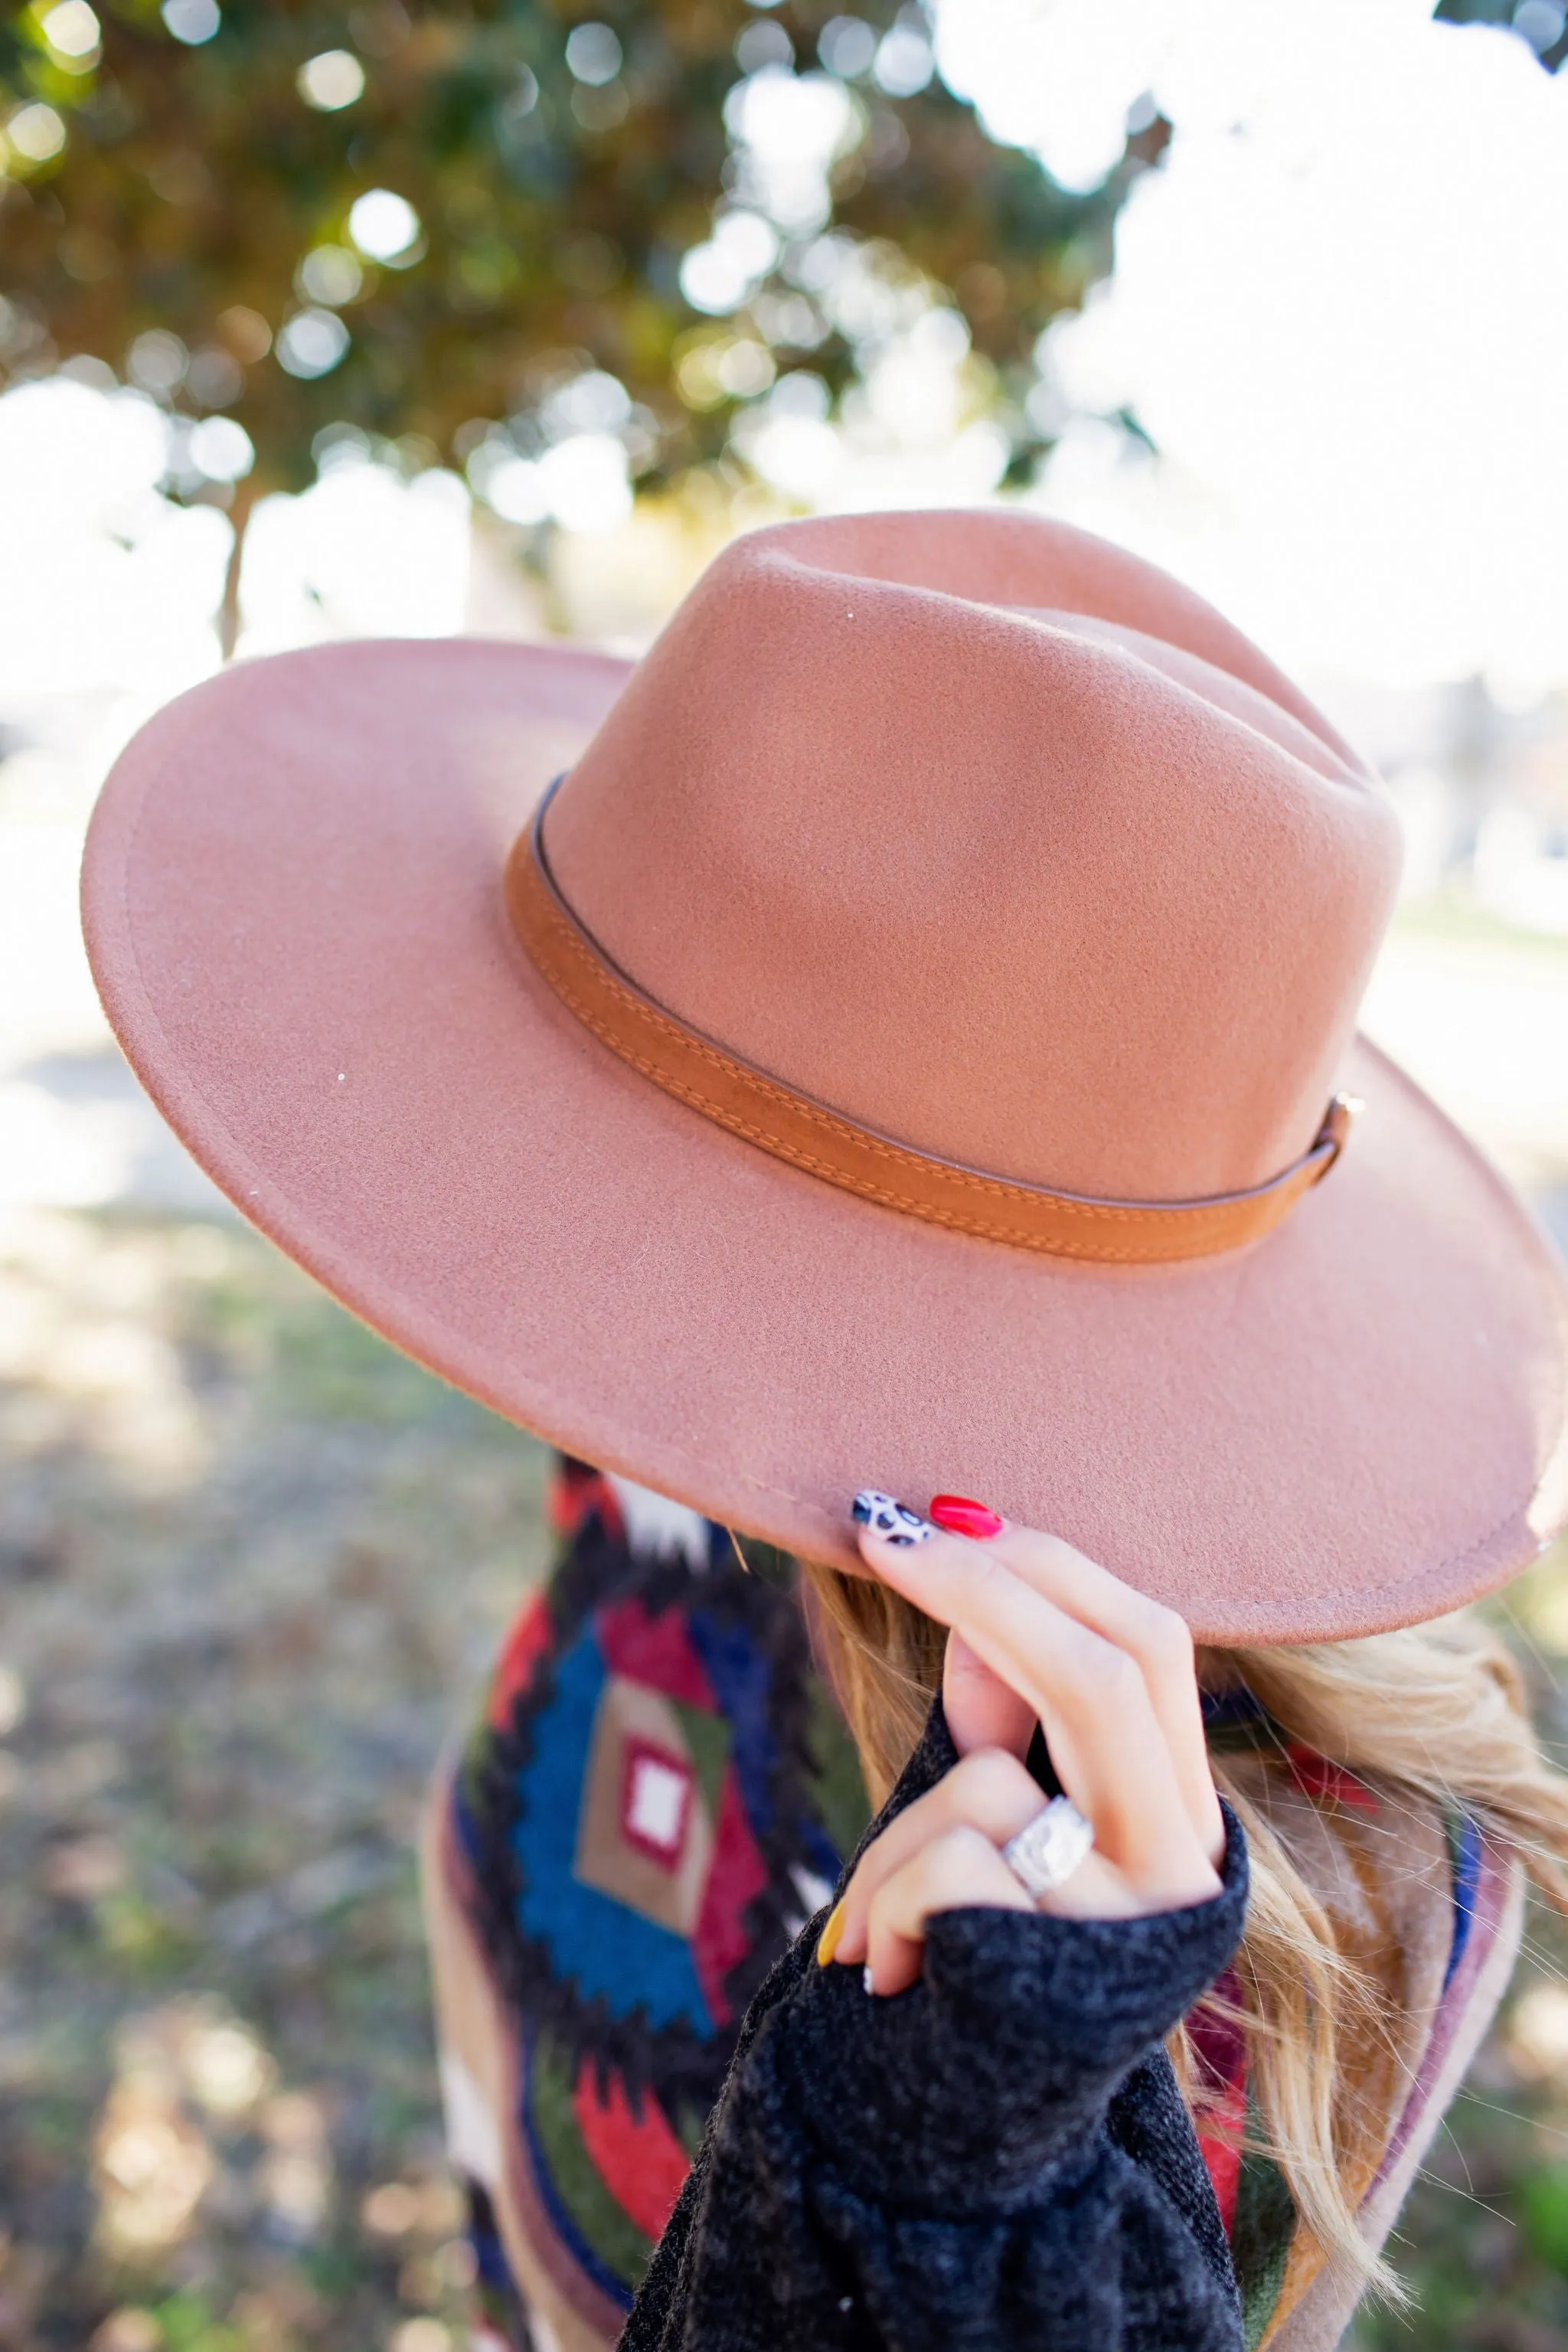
<point x="228" y="610"/>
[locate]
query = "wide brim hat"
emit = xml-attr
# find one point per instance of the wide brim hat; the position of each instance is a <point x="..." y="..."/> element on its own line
<point x="909" y="1052"/>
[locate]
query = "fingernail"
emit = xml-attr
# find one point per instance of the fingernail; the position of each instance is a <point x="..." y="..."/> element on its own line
<point x="866" y="1979"/>
<point x="828" y="1942"/>
<point x="961" y="1515"/>
<point x="887" y="1516"/>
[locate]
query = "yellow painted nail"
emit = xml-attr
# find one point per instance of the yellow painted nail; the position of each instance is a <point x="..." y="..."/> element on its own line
<point x="828" y="1942"/>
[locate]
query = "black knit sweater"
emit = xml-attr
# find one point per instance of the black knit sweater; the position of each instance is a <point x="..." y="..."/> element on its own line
<point x="997" y="2159"/>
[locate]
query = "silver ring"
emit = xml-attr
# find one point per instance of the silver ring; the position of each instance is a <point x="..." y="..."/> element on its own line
<point x="1047" y="1849"/>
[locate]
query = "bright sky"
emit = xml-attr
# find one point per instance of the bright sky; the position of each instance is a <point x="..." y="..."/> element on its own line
<point x="1339" y="308"/>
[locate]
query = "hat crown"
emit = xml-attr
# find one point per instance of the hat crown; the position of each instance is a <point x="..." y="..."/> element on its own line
<point x="995" y="840"/>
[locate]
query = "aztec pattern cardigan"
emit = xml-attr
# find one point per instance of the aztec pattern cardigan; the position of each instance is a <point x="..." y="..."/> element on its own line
<point x="661" y="1793"/>
<point x="998" y="2157"/>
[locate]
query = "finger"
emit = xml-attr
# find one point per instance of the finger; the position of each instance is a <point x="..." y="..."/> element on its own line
<point x="1090" y="1694"/>
<point x="1157" y="1637"/>
<point x="1106" y="1742"/>
<point x="959" y="1868"/>
<point x="981" y="1711"/>
<point x="1097" y="1890"/>
<point x="989" y="1791"/>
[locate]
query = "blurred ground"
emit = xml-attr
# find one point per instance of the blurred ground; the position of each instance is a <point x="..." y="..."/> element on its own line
<point x="253" y="1567"/>
<point x="251" y="1559"/>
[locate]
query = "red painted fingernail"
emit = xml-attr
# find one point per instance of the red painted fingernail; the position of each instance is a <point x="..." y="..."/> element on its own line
<point x="961" y="1517"/>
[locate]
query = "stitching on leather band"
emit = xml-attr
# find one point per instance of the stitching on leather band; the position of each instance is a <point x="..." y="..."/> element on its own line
<point x="739" y="1098"/>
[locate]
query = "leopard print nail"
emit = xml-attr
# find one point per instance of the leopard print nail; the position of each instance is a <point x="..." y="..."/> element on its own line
<point x="885" y="1516"/>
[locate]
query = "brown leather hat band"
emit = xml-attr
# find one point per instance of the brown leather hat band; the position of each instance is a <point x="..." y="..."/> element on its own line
<point x="825" y="1143"/>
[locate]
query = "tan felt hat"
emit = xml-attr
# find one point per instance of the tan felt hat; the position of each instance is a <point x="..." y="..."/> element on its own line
<point x="909" y="1051"/>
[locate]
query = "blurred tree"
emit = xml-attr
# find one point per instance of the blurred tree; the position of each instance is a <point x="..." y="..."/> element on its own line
<point x="1543" y="24"/>
<point x="563" y="245"/>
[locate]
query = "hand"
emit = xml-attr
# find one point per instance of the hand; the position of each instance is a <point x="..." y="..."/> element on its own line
<point x="1038" y="1635"/>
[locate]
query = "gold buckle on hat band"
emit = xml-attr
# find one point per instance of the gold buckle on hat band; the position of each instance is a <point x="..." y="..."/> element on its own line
<point x="807" y="1135"/>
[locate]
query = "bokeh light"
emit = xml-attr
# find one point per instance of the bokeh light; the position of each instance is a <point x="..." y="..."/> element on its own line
<point x="383" y="225"/>
<point x="905" y="59"/>
<point x="788" y="131"/>
<point x="35" y="131"/>
<point x="192" y="22"/>
<point x="718" y="276"/>
<point x="72" y="30"/>
<point x="592" y="54"/>
<point x="332" y="275"/>
<point x="157" y="361"/>
<point x="246" y="333"/>
<point x="311" y="342"/>
<point x="1541" y="22"/>
<point x="332" y="80"/>
<point x="222" y="449"/>
<point x="847" y="47"/>
<point x="213" y="377"/>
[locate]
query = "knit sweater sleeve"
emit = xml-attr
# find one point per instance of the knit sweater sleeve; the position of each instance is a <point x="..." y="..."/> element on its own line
<point x="997" y="2159"/>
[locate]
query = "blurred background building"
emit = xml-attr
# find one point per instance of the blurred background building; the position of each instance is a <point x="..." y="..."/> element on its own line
<point x="319" y="320"/>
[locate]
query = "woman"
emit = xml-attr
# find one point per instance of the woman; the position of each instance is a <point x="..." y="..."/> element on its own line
<point x="908" y="1042"/>
<point x="1384" y="1923"/>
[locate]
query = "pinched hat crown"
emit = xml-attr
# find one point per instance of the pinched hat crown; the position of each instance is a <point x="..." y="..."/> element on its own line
<point x="926" y="836"/>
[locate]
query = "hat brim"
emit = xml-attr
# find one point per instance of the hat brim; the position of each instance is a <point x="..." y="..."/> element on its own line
<point x="292" y="901"/>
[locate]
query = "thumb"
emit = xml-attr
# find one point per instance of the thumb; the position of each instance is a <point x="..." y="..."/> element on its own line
<point x="981" y="1711"/>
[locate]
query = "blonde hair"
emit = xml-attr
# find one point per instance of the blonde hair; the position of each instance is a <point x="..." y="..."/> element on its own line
<point x="1435" y="1715"/>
